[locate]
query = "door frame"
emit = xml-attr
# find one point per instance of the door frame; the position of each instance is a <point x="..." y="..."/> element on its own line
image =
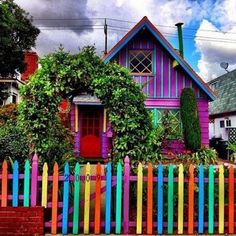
<point x="90" y="107"/>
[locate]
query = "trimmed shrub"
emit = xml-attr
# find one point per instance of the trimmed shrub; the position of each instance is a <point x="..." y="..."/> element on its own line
<point x="190" y="119"/>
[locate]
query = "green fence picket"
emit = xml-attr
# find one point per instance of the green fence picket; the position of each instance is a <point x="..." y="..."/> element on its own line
<point x="170" y="200"/>
<point x="26" y="184"/>
<point x="76" y="199"/>
<point x="118" y="198"/>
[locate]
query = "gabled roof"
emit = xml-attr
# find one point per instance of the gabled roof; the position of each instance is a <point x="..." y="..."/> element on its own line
<point x="225" y="88"/>
<point x="160" y="38"/>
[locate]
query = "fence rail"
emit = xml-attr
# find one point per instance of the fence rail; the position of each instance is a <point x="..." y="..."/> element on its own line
<point x="156" y="200"/>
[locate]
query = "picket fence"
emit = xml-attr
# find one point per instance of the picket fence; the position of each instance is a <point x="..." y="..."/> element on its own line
<point x="168" y="199"/>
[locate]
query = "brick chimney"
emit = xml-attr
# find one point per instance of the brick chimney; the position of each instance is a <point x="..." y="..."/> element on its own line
<point x="31" y="60"/>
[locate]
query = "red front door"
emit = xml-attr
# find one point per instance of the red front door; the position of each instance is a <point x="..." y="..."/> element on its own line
<point x="90" y="132"/>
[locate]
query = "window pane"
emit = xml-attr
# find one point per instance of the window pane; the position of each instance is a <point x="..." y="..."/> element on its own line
<point x="140" y="61"/>
<point x="222" y="123"/>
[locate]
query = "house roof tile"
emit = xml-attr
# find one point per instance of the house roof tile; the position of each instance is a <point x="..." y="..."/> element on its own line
<point x="225" y="88"/>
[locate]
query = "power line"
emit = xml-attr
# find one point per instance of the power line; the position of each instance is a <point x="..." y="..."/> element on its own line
<point x="119" y="20"/>
<point x="125" y="30"/>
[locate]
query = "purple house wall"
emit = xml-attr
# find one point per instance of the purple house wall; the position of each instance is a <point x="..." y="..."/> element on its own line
<point x="163" y="86"/>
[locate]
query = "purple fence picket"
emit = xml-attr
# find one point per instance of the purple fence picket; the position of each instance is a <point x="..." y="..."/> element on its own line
<point x="34" y="181"/>
<point x="126" y="180"/>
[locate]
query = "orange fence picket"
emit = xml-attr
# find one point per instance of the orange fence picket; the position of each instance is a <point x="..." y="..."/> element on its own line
<point x="149" y="199"/>
<point x="54" y="199"/>
<point x="4" y="184"/>
<point x="191" y="200"/>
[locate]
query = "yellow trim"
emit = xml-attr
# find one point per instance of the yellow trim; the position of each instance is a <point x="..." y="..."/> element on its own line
<point x="174" y="64"/>
<point x="104" y="120"/>
<point x="76" y="118"/>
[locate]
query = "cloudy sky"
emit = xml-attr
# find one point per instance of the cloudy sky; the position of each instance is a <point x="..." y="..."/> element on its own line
<point x="209" y="26"/>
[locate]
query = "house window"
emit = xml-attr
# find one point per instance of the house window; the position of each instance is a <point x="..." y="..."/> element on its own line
<point x="168" y="117"/>
<point x="222" y="123"/>
<point x="14" y="98"/>
<point x="140" y="62"/>
<point x="228" y="123"/>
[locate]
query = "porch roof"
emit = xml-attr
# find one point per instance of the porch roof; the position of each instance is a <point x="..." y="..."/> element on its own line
<point x="86" y="99"/>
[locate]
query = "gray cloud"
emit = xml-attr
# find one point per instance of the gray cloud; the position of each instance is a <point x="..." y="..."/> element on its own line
<point x="59" y="13"/>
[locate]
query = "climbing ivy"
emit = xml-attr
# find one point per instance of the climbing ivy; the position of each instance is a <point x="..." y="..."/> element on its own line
<point x="63" y="75"/>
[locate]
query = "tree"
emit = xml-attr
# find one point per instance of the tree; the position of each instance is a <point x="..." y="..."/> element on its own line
<point x="64" y="75"/>
<point x="17" y="34"/>
<point x="190" y="119"/>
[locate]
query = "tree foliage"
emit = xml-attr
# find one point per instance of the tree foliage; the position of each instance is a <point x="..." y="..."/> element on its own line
<point x="8" y="112"/>
<point x="190" y="119"/>
<point x="63" y="75"/>
<point x="17" y="34"/>
<point x="13" y="144"/>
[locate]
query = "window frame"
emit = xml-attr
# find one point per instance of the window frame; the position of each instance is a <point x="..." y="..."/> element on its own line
<point x="129" y="61"/>
<point x="174" y="112"/>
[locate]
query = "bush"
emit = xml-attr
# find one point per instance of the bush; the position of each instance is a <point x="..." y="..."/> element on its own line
<point x="205" y="156"/>
<point x="7" y="112"/>
<point x="190" y="120"/>
<point x="13" y="143"/>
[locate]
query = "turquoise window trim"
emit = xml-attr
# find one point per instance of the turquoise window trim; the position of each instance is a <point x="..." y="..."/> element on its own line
<point x="175" y="114"/>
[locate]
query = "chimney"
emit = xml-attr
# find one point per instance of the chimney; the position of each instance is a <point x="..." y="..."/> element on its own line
<point x="31" y="61"/>
<point x="180" y="37"/>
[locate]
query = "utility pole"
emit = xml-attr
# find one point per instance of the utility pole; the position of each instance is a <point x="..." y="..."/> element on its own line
<point x="105" y="32"/>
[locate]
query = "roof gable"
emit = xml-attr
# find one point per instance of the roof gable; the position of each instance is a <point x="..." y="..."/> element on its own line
<point x="160" y="38"/>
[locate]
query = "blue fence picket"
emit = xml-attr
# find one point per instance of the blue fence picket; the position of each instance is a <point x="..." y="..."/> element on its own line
<point x="201" y="200"/>
<point x="160" y="200"/>
<point x="108" y="200"/>
<point x="65" y="208"/>
<point x="15" y="186"/>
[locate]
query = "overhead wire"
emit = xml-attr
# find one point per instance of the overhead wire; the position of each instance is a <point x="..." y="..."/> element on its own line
<point x="84" y="27"/>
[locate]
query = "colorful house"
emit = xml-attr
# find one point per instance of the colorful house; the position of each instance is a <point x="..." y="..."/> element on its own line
<point x="161" y="73"/>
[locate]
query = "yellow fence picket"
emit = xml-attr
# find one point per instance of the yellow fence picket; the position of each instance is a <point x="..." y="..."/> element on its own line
<point x="181" y="199"/>
<point x="139" y="199"/>
<point x="44" y="185"/>
<point x="87" y="198"/>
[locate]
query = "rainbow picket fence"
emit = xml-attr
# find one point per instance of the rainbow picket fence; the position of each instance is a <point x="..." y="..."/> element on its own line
<point x="165" y="199"/>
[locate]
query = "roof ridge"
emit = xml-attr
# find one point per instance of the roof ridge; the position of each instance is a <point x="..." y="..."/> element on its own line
<point x="159" y="36"/>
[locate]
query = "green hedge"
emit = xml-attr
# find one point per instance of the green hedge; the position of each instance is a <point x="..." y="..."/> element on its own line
<point x="190" y="119"/>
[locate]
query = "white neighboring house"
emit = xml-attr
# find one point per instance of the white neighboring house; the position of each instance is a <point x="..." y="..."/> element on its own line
<point x="12" y="89"/>
<point x="223" y="109"/>
<point x="13" y="83"/>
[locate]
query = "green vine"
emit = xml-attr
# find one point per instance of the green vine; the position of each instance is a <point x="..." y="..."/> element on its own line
<point x="63" y="75"/>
